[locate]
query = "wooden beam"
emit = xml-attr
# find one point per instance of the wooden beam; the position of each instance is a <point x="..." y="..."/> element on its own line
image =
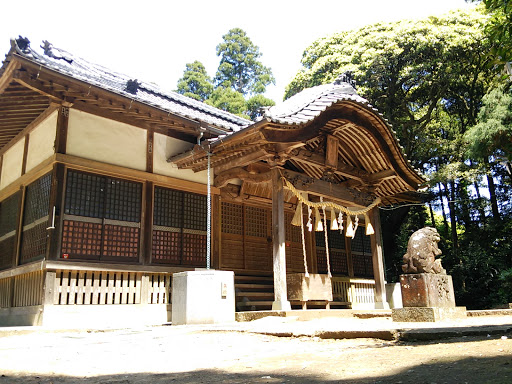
<point x="331" y="152"/>
<point x="305" y="156"/>
<point x="23" y="78"/>
<point x="6" y="78"/>
<point x="133" y="174"/>
<point x="62" y="130"/>
<point x="25" y="155"/>
<point x="378" y="177"/>
<point x="225" y="177"/>
<point x="239" y="161"/>
<point x="323" y="188"/>
<point x="54" y="243"/>
<point x="147" y="221"/>
<point x="149" y="150"/>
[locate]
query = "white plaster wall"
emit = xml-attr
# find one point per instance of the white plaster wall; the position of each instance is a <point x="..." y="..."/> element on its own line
<point x="12" y="163"/>
<point x="165" y="147"/>
<point x="41" y="143"/>
<point x="97" y="138"/>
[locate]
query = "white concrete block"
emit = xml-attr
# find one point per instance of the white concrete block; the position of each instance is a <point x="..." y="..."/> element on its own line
<point x="203" y="297"/>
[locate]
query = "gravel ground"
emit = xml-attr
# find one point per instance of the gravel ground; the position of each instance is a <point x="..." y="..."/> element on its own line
<point x="248" y="353"/>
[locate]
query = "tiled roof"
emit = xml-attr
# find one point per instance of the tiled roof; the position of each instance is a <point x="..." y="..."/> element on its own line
<point x="311" y="102"/>
<point x="67" y="64"/>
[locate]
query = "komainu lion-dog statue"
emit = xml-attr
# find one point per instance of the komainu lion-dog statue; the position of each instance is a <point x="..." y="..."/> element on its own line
<point x="421" y="253"/>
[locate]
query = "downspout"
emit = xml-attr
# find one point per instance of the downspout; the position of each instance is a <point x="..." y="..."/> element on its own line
<point x="208" y="203"/>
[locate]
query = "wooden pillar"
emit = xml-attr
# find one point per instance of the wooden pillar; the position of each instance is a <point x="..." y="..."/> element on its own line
<point x="281" y="302"/>
<point x="216" y="231"/>
<point x="378" y="262"/>
<point x="62" y="130"/>
<point x="147" y="224"/>
<point x="56" y="210"/>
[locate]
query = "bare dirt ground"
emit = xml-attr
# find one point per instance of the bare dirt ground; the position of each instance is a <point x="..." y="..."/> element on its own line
<point x="188" y="354"/>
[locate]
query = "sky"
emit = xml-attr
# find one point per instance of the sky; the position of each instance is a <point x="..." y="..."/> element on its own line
<point x="153" y="40"/>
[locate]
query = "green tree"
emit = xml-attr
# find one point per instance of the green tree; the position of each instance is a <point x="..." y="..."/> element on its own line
<point x="240" y="67"/>
<point x="499" y="29"/>
<point x="195" y="82"/>
<point x="493" y="133"/>
<point x="256" y="105"/>
<point x="428" y="78"/>
<point x="228" y="100"/>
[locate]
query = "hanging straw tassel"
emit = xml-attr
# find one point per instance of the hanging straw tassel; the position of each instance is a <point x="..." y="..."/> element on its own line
<point x="356" y="224"/>
<point x="297" y="218"/>
<point x="310" y="220"/>
<point x="350" y="229"/>
<point x="369" y="227"/>
<point x="318" y="221"/>
<point x="326" y="244"/>
<point x="334" y="222"/>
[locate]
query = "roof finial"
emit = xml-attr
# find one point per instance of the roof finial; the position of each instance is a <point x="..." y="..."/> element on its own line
<point x="48" y="51"/>
<point x="346" y="77"/>
<point x="132" y="86"/>
<point x="23" y="43"/>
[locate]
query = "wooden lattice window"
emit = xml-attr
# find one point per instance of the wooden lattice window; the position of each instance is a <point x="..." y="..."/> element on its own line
<point x="179" y="228"/>
<point x="232" y="220"/>
<point x="102" y="217"/>
<point x="256" y="221"/>
<point x="9" y="214"/>
<point x="35" y="219"/>
<point x="362" y="253"/>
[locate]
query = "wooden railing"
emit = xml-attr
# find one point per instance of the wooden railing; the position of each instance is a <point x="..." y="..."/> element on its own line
<point x="359" y="293"/>
<point x="37" y="285"/>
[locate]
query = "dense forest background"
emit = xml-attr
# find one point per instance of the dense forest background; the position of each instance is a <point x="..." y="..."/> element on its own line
<point x="444" y="84"/>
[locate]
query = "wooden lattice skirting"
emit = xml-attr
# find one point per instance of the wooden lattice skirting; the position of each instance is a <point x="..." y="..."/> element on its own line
<point x="75" y="297"/>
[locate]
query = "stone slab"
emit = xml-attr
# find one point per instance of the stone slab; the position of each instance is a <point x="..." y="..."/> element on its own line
<point x="427" y="290"/>
<point x="203" y="297"/>
<point x="427" y="314"/>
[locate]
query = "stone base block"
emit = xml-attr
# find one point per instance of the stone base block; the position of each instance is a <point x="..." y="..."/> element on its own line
<point x="427" y="290"/>
<point x="203" y="297"/>
<point x="428" y="314"/>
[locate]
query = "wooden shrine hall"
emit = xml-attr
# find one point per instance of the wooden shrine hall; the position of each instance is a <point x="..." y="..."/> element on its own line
<point x="104" y="194"/>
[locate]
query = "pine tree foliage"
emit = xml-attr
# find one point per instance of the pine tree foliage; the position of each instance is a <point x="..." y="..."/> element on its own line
<point x="195" y="82"/>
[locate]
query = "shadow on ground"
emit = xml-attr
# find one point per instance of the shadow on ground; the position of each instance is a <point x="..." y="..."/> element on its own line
<point x="495" y="370"/>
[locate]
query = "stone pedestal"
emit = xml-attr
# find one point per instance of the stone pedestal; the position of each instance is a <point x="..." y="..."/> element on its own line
<point x="203" y="297"/>
<point x="427" y="290"/>
<point x="427" y="297"/>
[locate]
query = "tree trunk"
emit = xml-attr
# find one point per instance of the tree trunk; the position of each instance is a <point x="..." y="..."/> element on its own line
<point x="445" y="220"/>
<point x="453" y="219"/>
<point x="432" y="218"/>
<point x="481" y="211"/>
<point x="492" y="192"/>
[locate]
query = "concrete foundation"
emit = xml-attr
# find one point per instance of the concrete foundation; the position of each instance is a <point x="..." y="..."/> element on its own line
<point x="428" y="314"/>
<point x="86" y="316"/>
<point x="203" y="297"/>
<point x="394" y="295"/>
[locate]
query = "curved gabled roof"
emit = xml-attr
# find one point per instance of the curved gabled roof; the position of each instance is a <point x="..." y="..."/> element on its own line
<point x="367" y="154"/>
<point x="65" y="63"/>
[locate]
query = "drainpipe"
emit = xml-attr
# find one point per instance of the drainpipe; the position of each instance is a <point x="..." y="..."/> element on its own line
<point x="208" y="202"/>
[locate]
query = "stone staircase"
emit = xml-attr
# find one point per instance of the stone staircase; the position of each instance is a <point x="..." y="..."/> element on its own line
<point x="253" y="292"/>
